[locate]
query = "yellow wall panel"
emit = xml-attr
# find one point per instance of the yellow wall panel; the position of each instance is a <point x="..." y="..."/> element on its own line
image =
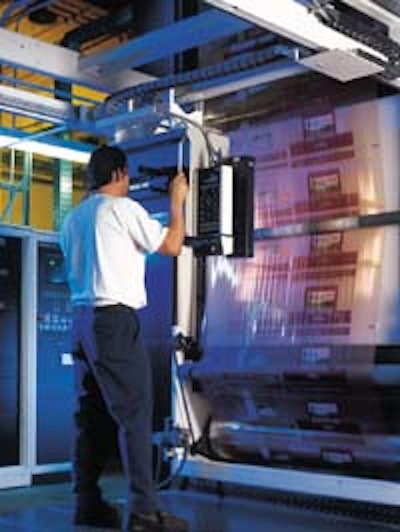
<point x="3" y="200"/>
<point x="41" y="216"/>
<point x="17" y="216"/>
<point x="77" y="196"/>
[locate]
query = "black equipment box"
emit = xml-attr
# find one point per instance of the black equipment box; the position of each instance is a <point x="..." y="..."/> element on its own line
<point x="225" y="207"/>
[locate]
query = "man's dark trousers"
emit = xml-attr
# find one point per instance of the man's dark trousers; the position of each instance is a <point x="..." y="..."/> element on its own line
<point x="113" y="382"/>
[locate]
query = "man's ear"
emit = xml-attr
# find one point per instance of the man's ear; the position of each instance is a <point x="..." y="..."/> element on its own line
<point x="117" y="175"/>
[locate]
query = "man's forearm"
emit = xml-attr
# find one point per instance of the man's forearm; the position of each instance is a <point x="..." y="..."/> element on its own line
<point x="176" y="232"/>
<point x="173" y="241"/>
<point x="177" y="226"/>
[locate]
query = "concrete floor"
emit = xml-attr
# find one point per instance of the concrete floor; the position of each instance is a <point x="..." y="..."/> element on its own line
<point x="46" y="508"/>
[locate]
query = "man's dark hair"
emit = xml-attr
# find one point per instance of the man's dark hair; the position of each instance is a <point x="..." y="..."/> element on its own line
<point x="103" y="162"/>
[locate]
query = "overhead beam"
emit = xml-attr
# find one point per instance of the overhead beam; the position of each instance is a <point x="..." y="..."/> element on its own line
<point x="172" y="39"/>
<point x="210" y="89"/>
<point x="378" y="12"/>
<point x="293" y="21"/>
<point x="35" y="106"/>
<point x="20" y="51"/>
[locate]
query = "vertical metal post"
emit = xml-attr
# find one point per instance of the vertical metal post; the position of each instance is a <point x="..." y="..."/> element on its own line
<point x="17" y="186"/>
<point x="26" y="187"/>
<point x="62" y="191"/>
<point x="11" y="188"/>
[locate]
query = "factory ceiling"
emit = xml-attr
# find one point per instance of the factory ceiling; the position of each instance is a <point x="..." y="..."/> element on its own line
<point x="86" y="51"/>
<point x="81" y="28"/>
<point x="51" y="20"/>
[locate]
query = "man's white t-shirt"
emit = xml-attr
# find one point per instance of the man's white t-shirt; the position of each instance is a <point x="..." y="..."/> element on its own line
<point x="105" y="241"/>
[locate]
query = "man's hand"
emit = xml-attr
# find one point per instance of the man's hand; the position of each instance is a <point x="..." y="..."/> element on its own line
<point x="179" y="188"/>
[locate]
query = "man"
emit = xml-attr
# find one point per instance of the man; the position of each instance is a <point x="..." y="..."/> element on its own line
<point x="105" y="240"/>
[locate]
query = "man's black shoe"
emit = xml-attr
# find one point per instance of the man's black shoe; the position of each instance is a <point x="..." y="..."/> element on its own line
<point x="99" y="514"/>
<point x="156" y="522"/>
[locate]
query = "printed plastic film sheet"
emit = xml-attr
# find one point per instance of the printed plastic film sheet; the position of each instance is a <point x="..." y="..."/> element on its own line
<point x="289" y="341"/>
<point x="324" y="162"/>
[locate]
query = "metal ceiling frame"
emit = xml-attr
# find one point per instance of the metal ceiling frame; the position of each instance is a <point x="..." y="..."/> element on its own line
<point x="379" y="13"/>
<point x="188" y="33"/>
<point x="293" y="21"/>
<point x="107" y="71"/>
<point x="57" y="62"/>
<point x="35" y="106"/>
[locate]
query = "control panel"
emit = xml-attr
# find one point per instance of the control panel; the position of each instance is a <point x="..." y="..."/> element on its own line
<point x="54" y="359"/>
<point x="10" y="310"/>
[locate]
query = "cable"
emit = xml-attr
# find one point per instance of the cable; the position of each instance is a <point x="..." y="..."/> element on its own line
<point x="213" y="155"/>
<point x="241" y="63"/>
<point x="186" y="445"/>
<point x="184" y="400"/>
<point x="365" y="30"/>
<point x="166" y="482"/>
